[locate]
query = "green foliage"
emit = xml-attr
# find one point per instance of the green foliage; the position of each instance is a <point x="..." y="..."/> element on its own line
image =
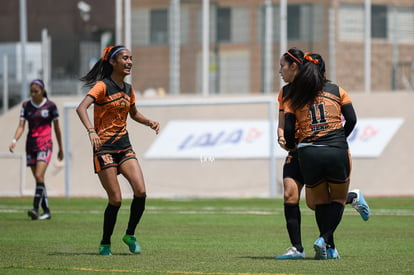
<point x="201" y="236"/>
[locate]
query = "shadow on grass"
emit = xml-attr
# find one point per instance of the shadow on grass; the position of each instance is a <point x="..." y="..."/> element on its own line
<point x="86" y="254"/>
<point x="273" y="258"/>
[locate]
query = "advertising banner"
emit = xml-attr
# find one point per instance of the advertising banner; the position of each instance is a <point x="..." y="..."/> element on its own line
<point x="250" y="139"/>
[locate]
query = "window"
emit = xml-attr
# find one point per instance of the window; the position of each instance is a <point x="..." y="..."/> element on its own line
<point x="405" y="23"/>
<point x="379" y="21"/>
<point x="293" y="22"/>
<point x="223" y="26"/>
<point x="159" y="27"/>
<point x="351" y="22"/>
<point x="304" y="22"/>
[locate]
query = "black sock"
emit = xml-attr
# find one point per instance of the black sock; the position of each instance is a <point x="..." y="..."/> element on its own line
<point x="45" y="201"/>
<point x="40" y="187"/>
<point x="110" y="215"/>
<point x="351" y="197"/>
<point x="335" y="212"/>
<point x="321" y="216"/>
<point x="293" y="221"/>
<point x="136" y="211"/>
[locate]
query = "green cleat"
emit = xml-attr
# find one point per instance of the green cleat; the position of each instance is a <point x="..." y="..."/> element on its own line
<point x="105" y="249"/>
<point x="132" y="243"/>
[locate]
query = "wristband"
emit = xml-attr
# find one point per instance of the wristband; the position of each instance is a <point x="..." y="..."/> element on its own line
<point x="14" y="141"/>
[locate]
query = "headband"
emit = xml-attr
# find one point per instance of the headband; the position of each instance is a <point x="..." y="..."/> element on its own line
<point x="108" y="50"/>
<point x="38" y="83"/>
<point x="295" y="58"/>
<point x="310" y="58"/>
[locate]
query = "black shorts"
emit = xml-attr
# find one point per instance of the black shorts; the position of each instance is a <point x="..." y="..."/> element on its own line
<point x="291" y="168"/>
<point x="33" y="157"/>
<point x="111" y="158"/>
<point x="324" y="163"/>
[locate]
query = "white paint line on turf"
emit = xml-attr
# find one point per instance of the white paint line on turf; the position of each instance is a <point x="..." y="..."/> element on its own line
<point x="213" y="211"/>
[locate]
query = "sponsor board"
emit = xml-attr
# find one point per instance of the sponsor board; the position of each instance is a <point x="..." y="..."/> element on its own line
<point x="250" y="139"/>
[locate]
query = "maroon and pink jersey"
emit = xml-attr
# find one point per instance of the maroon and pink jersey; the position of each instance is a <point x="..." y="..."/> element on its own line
<point x="39" y="118"/>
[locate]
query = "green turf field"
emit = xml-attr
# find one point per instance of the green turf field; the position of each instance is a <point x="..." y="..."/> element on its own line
<point x="205" y="236"/>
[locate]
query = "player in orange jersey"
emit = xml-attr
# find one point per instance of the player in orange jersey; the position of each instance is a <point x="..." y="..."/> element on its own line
<point x="290" y="64"/>
<point x="113" y="101"/>
<point x="313" y="109"/>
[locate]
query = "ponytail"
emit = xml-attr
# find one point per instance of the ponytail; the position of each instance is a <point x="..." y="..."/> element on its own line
<point x="308" y="82"/>
<point x="102" y="69"/>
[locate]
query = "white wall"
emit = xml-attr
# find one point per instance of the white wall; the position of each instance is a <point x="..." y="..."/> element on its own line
<point x="386" y="176"/>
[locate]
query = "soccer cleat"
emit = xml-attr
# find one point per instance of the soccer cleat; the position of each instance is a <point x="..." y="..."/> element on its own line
<point x="320" y="249"/>
<point x="45" y="216"/>
<point x="361" y="205"/>
<point x="33" y="214"/>
<point x="292" y="253"/>
<point x="132" y="243"/>
<point x="332" y="253"/>
<point x="105" y="249"/>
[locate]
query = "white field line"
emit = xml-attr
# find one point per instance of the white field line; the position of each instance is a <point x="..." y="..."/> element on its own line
<point x="215" y="211"/>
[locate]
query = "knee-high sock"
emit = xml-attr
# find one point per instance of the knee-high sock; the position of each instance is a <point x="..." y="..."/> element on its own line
<point x="110" y="215"/>
<point x="293" y="221"/>
<point x="335" y="212"/>
<point x="321" y="215"/>
<point x="136" y="211"/>
<point x="45" y="201"/>
<point x="40" y="189"/>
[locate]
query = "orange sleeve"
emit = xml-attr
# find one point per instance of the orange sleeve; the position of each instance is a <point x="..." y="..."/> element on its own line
<point x="98" y="91"/>
<point x="287" y="108"/>
<point x="345" y="98"/>
<point x="132" y="101"/>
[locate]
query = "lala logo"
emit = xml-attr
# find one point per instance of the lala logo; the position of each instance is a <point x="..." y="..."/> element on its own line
<point x="210" y="139"/>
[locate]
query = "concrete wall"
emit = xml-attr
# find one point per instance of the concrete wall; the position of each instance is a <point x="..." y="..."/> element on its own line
<point x="387" y="175"/>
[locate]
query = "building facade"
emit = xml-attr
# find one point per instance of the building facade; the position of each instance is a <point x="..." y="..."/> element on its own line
<point x="335" y="29"/>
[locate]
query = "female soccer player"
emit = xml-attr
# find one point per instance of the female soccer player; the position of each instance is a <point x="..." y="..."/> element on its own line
<point x="40" y="112"/>
<point x="313" y="109"/>
<point x="113" y="100"/>
<point x="290" y="64"/>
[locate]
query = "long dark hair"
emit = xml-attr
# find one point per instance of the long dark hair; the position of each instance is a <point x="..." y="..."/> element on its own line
<point x="102" y="68"/>
<point x="294" y="55"/>
<point x="308" y="82"/>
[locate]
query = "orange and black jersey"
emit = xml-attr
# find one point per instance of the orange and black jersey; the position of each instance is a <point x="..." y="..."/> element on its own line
<point x="282" y="93"/>
<point x="112" y="105"/>
<point x="320" y="123"/>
